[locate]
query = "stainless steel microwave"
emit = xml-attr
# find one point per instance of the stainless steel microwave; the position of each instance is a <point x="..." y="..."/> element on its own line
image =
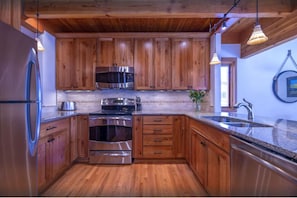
<point x="119" y="77"/>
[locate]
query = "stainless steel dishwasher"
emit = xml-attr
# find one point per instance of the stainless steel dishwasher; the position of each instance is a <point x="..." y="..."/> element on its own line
<point x="256" y="171"/>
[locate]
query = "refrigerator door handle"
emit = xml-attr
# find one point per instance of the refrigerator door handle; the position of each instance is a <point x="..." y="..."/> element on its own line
<point x="33" y="82"/>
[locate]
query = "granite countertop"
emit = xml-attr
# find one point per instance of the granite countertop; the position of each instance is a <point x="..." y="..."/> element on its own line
<point x="281" y="137"/>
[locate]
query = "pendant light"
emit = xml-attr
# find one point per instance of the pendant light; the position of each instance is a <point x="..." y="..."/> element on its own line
<point x="215" y="59"/>
<point x="257" y="36"/>
<point x="39" y="44"/>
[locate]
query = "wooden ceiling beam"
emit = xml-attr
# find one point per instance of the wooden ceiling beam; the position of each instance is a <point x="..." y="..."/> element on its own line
<point x="279" y="32"/>
<point x="154" y="8"/>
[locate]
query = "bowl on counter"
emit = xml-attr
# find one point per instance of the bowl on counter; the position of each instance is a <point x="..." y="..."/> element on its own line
<point x="68" y="106"/>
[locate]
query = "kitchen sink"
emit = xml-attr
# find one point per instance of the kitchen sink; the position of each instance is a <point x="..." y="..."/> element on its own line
<point x="222" y="119"/>
<point x="235" y="122"/>
<point x="245" y="124"/>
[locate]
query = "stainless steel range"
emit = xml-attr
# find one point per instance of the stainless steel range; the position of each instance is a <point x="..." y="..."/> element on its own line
<point x="110" y="132"/>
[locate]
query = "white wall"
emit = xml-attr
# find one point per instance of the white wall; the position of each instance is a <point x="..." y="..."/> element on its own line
<point x="47" y="60"/>
<point x="254" y="79"/>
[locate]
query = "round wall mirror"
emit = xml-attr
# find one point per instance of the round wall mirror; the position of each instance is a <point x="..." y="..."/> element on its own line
<point x="285" y="86"/>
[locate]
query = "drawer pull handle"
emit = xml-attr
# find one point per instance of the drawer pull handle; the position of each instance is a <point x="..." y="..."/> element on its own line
<point x="50" y="128"/>
<point x="158" y="152"/>
<point x="157" y="140"/>
<point x="157" y="120"/>
<point x="51" y="140"/>
<point x="157" y="130"/>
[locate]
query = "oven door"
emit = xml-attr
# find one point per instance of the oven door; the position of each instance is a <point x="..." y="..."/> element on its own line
<point x="110" y="139"/>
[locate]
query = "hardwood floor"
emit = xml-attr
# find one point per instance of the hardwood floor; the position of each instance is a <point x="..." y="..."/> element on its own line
<point x="127" y="180"/>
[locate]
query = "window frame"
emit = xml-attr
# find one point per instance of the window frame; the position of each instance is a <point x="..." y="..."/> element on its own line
<point x="231" y="62"/>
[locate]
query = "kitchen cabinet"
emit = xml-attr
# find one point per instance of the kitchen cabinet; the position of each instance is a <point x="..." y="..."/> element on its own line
<point x="83" y="138"/>
<point x="162" y="63"/>
<point x="75" y="63"/>
<point x="115" y="51"/>
<point x="179" y="136"/>
<point x="210" y="160"/>
<point x="73" y="138"/>
<point x="182" y="64"/>
<point x="190" y="64"/>
<point x="201" y="69"/>
<point x="144" y="69"/>
<point x="155" y="137"/>
<point x="152" y="62"/>
<point x="11" y="12"/>
<point x="53" y="151"/>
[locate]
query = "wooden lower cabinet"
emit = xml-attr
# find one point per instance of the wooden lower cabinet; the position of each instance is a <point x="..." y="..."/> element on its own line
<point x="158" y="137"/>
<point x="209" y="159"/>
<point x="83" y="138"/>
<point x="53" y="151"/>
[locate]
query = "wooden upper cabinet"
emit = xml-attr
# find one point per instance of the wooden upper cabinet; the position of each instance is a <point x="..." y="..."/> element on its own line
<point x="86" y="63"/>
<point x="11" y="12"/>
<point x="111" y="51"/>
<point x="152" y="62"/>
<point x="162" y="63"/>
<point x="201" y="70"/>
<point x="143" y="64"/>
<point x="182" y="64"/>
<point x="64" y="63"/>
<point x="75" y="64"/>
<point x="105" y="52"/>
<point x="124" y="50"/>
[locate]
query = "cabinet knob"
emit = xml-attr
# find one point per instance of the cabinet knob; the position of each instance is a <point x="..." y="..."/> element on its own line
<point x="203" y="143"/>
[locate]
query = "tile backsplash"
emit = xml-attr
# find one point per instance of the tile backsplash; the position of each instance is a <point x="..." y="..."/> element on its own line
<point x="166" y="100"/>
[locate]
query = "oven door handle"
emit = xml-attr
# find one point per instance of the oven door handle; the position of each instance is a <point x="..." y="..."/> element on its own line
<point x="110" y="121"/>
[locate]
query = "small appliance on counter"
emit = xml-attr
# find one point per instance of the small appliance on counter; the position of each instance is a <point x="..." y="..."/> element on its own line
<point x="68" y="106"/>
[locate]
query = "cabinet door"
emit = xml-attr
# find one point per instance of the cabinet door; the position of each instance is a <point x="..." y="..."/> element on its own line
<point x="105" y="52"/>
<point x="199" y="156"/>
<point x="143" y="64"/>
<point x="85" y="56"/>
<point x="179" y="136"/>
<point x="162" y="63"/>
<point x="64" y="63"/>
<point x="137" y="137"/>
<point x="182" y="64"/>
<point x="83" y="137"/>
<point x="123" y="51"/>
<point x="41" y="157"/>
<point x="59" y="152"/>
<point x="200" y="75"/>
<point x="218" y="174"/>
<point x="73" y="139"/>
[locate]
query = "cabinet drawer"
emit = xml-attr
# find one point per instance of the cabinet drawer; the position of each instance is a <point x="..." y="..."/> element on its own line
<point x="157" y="140"/>
<point x="158" y="151"/>
<point x="213" y="135"/>
<point x="157" y="120"/>
<point x="157" y="129"/>
<point x="54" y="126"/>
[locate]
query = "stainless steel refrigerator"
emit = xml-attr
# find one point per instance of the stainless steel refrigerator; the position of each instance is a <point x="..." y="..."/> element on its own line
<point x="20" y="113"/>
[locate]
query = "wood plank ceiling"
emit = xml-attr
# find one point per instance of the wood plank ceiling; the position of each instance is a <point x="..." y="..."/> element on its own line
<point x="101" y="16"/>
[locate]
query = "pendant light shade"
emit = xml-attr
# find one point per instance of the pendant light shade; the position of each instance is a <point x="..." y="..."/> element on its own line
<point x="215" y="59"/>
<point x="39" y="45"/>
<point x="258" y="35"/>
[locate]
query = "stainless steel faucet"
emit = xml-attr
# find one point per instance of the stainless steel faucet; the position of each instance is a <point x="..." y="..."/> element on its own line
<point x="249" y="107"/>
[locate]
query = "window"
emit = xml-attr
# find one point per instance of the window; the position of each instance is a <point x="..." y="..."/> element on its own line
<point x="228" y="83"/>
